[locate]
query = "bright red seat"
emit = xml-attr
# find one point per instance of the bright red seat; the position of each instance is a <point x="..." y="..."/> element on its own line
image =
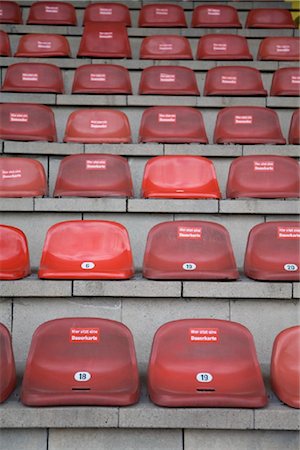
<point x="247" y="125"/>
<point x="286" y="81"/>
<point x="263" y="176"/>
<point x="94" y="175"/>
<point x="43" y="46"/>
<point x="269" y="18"/>
<point x="205" y="363"/>
<point x="180" y="177"/>
<point x="162" y="15"/>
<point x="285" y="366"/>
<point x="97" y="126"/>
<point x="93" y="359"/>
<point x="211" y="16"/>
<point x="4" y="44"/>
<point x="86" y="249"/>
<point x="7" y="364"/>
<point x="175" y="124"/>
<point x="27" y="122"/>
<point x="294" y="132"/>
<point x="107" y="12"/>
<point x="189" y="250"/>
<point x="10" y="12"/>
<point x="279" y="49"/>
<point x="105" y="40"/>
<point x="165" y="47"/>
<point x="168" y="80"/>
<point x="101" y="79"/>
<point x="223" y="47"/>
<point x="14" y="255"/>
<point x="52" y="13"/>
<point x="234" y="80"/>
<point x="22" y="177"/>
<point x="33" y="77"/>
<point x="272" y="251"/>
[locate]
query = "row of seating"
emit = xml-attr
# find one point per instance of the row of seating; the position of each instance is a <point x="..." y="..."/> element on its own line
<point x="190" y="177"/>
<point x="193" y="363"/>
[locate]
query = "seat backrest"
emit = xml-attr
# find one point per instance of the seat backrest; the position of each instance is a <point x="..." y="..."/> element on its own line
<point x="43" y="46"/>
<point x="101" y="79"/>
<point x="10" y="12"/>
<point x="14" y="255"/>
<point x="168" y="80"/>
<point x="210" y="16"/>
<point x="234" y="80"/>
<point x="279" y="49"/>
<point x="165" y="47"/>
<point x="286" y="81"/>
<point x="4" y="44"/>
<point x="162" y="15"/>
<point x="107" y="12"/>
<point x="294" y="131"/>
<point x="52" y="13"/>
<point x="269" y="18"/>
<point x="8" y="377"/>
<point x="223" y="47"/>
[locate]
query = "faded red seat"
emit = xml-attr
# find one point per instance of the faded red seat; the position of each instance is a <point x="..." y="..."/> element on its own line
<point x="107" y="12"/>
<point x="94" y="360"/>
<point x="162" y="15"/>
<point x="175" y="124"/>
<point x="43" y="46"/>
<point x="101" y="79"/>
<point x="205" y="363"/>
<point x="94" y="175"/>
<point x="210" y="16"/>
<point x="27" y="122"/>
<point x="165" y="47"/>
<point x="33" y="77"/>
<point x="4" y="44"/>
<point x="10" y="12"/>
<point x="234" y="80"/>
<point x="285" y="366"/>
<point x="168" y="80"/>
<point x="294" y="132"/>
<point x="286" y="81"/>
<point x="22" y="177"/>
<point x="97" y="126"/>
<point x="247" y="125"/>
<point x="180" y="177"/>
<point x="279" y="49"/>
<point x="269" y="18"/>
<point x="52" y="13"/>
<point x="263" y="176"/>
<point x="105" y="40"/>
<point x="14" y="255"/>
<point x="272" y="251"/>
<point x="189" y="250"/>
<point x="7" y="364"/>
<point x="223" y="47"/>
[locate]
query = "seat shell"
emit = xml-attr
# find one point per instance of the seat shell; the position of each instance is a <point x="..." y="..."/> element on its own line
<point x="211" y="16"/>
<point x="168" y="80"/>
<point x="33" y="77"/>
<point x="294" y="131"/>
<point x="279" y="49"/>
<point x="269" y="18"/>
<point x="105" y="40"/>
<point x="101" y="79"/>
<point x="52" y="13"/>
<point x="5" y="49"/>
<point x="223" y="47"/>
<point x="286" y="81"/>
<point x="7" y="363"/>
<point x="43" y="46"/>
<point x="10" y="12"/>
<point x="107" y="12"/>
<point x="165" y="47"/>
<point x="162" y="15"/>
<point x="14" y="255"/>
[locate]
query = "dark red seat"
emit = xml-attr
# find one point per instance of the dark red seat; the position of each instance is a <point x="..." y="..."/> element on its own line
<point x="101" y="79"/>
<point x="14" y="255"/>
<point x="286" y="81"/>
<point x="93" y="359"/>
<point x="279" y="49"/>
<point x="52" y="13"/>
<point x="107" y="12"/>
<point x="105" y="40"/>
<point x="168" y="80"/>
<point x="211" y="16"/>
<point x="7" y="364"/>
<point x="162" y="15"/>
<point x="270" y="18"/>
<point x="165" y="47"/>
<point x="223" y="47"/>
<point x="10" y="12"/>
<point x="33" y="77"/>
<point x="43" y="46"/>
<point x="4" y="44"/>
<point x="294" y="132"/>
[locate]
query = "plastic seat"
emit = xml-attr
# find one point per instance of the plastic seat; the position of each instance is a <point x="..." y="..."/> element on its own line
<point x="211" y="16"/>
<point x="94" y="175"/>
<point x="7" y="364"/>
<point x="174" y="124"/>
<point x="33" y="77"/>
<point x="279" y="49"/>
<point x="93" y="359"/>
<point x="97" y="126"/>
<point x="10" y="12"/>
<point x="22" y="177"/>
<point x="101" y="79"/>
<point x="52" y="13"/>
<point x="86" y="249"/>
<point x="107" y="12"/>
<point x="294" y="132"/>
<point x="205" y="363"/>
<point x="165" y="47"/>
<point x="189" y="250"/>
<point x="105" y="40"/>
<point x="168" y="80"/>
<point x="234" y="80"/>
<point x="247" y="125"/>
<point x="162" y="15"/>
<point x="27" y="122"/>
<point x="269" y="18"/>
<point x="286" y="81"/>
<point x="43" y="46"/>
<point x="223" y="47"/>
<point x="272" y="251"/>
<point x="4" y="44"/>
<point x="263" y="176"/>
<point x="285" y="366"/>
<point x="14" y="255"/>
<point x="180" y="177"/>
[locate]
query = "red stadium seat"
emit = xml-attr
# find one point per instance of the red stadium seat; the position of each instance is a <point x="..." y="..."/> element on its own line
<point x="223" y="47"/>
<point x="14" y="255"/>
<point x="205" y="363"/>
<point x="107" y="12"/>
<point x="33" y="77"/>
<point x="94" y="175"/>
<point x="7" y="364"/>
<point x="247" y="125"/>
<point x="263" y="176"/>
<point x="162" y="15"/>
<point x="10" y="12"/>
<point x="165" y="47"/>
<point x="211" y="16"/>
<point x="294" y="132"/>
<point x="189" y="250"/>
<point x="87" y="249"/>
<point x="285" y="366"/>
<point x="4" y="44"/>
<point x="52" y="13"/>
<point x="105" y="40"/>
<point x="101" y="79"/>
<point x="234" y="80"/>
<point x="27" y="122"/>
<point x="43" y="46"/>
<point x="97" y="126"/>
<point x="180" y="177"/>
<point x="93" y="359"/>
<point x="168" y="80"/>
<point x="286" y="81"/>
<point x="279" y="49"/>
<point x="174" y="124"/>
<point x="269" y="18"/>
<point x="272" y="252"/>
<point x="22" y="177"/>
